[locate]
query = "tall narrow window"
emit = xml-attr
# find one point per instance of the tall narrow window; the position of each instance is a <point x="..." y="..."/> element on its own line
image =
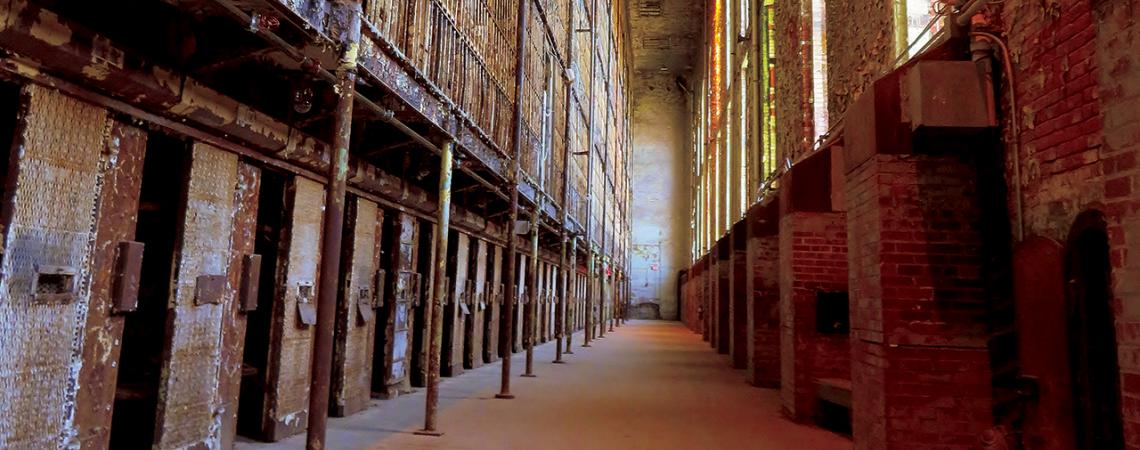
<point x="745" y="149"/>
<point x="912" y="17"/>
<point x="819" y="66"/>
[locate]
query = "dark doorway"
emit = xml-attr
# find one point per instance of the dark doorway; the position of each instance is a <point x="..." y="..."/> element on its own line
<point x="389" y="235"/>
<point x="447" y="350"/>
<point x="270" y="241"/>
<point x="1092" y="336"/>
<point x="424" y="266"/>
<point x="162" y="205"/>
<point x="493" y="290"/>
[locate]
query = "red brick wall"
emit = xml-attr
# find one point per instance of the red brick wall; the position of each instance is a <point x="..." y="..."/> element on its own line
<point x="764" y="317"/>
<point x="1118" y="48"/>
<point x="812" y="259"/>
<point x="921" y="368"/>
<point x="738" y="302"/>
<point x="1059" y="112"/>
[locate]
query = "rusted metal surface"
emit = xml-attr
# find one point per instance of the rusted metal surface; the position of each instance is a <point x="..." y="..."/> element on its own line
<point x="474" y="322"/>
<point x="125" y="279"/>
<point x="249" y="281"/>
<point x="494" y="297"/>
<point x="515" y="177"/>
<point x="530" y="328"/>
<point x="451" y="356"/>
<point x="399" y="321"/>
<point x="188" y="389"/>
<point x="1043" y="345"/>
<point x="57" y="138"/>
<point x="355" y="324"/>
<point x="118" y="205"/>
<point x="435" y="302"/>
<point x="347" y="15"/>
<point x="290" y="340"/>
<point x="241" y="267"/>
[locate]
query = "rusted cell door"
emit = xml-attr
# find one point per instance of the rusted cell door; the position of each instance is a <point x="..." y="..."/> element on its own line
<point x="110" y="298"/>
<point x="188" y="393"/>
<point x="539" y="299"/>
<point x="52" y="185"/>
<point x="1043" y="343"/>
<point x="244" y="279"/>
<point x="276" y="361"/>
<point x="477" y="304"/>
<point x="270" y="243"/>
<point x="160" y="213"/>
<point x="393" y="342"/>
<point x="523" y="297"/>
<point x="356" y="303"/>
<point x="421" y="336"/>
<point x="494" y="296"/>
<point x="454" y="311"/>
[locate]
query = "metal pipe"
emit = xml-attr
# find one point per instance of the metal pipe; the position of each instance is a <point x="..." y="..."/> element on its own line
<point x="968" y="11"/>
<point x="589" y="307"/>
<point x="530" y="319"/>
<point x="516" y="176"/>
<point x="602" y="300"/>
<point x="571" y="285"/>
<point x="1015" y="145"/>
<point x="333" y="224"/>
<point x="564" y="288"/>
<point x="434" y="306"/>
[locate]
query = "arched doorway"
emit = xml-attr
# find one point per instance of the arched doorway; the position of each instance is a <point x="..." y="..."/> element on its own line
<point x="1092" y="335"/>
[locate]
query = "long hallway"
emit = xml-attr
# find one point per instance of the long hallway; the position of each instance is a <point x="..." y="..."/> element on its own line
<point x="649" y="385"/>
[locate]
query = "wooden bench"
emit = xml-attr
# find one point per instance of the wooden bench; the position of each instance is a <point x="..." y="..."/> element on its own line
<point x="834" y="412"/>
<point x="835" y="390"/>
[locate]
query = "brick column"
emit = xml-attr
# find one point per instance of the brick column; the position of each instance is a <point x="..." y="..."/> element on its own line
<point x="723" y="293"/>
<point x="763" y="309"/>
<point x="740" y="297"/>
<point x="812" y="275"/>
<point x="920" y="365"/>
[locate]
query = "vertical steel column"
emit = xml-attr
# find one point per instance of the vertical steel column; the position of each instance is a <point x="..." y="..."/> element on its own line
<point x="571" y="285"/>
<point x="434" y="306"/>
<point x="531" y="306"/>
<point x="333" y="224"/>
<point x="602" y="255"/>
<point x="560" y="327"/>
<point x="591" y="256"/>
<point x="516" y="170"/>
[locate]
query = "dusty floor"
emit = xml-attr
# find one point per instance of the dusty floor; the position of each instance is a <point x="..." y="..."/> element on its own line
<point x="649" y="385"/>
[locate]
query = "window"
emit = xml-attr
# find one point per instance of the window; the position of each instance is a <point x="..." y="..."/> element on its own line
<point x="832" y="313"/>
<point x="819" y="66"/>
<point x="912" y="17"/>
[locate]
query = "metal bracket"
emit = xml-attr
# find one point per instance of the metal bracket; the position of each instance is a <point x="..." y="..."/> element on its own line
<point x="209" y="289"/>
<point x="250" y="280"/>
<point x="364" y="302"/>
<point x="306" y="311"/>
<point x="381" y="278"/>
<point x="128" y="272"/>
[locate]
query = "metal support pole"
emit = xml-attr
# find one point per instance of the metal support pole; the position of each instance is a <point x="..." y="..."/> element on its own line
<point x="531" y="319"/>
<point x="516" y="177"/>
<point x="571" y="286"/>
<point x="434" y="306"/>
<point x="333" y="223"/>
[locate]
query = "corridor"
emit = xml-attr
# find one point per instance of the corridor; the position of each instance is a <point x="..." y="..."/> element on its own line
<point x="648" y="385"/>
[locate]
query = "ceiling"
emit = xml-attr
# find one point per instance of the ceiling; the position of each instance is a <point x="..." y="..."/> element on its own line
<point x="665" y="35"/>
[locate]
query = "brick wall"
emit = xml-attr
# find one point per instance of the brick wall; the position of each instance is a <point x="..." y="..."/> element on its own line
<point x="812" y="259"/>
<point x="860" y="47"/>
<point x="1117" y="47"/>
<point x="764" y="317"/>
<point x="792" y="79"/>
<point x="921" y="368"/>
<point x="1059" y="113"/>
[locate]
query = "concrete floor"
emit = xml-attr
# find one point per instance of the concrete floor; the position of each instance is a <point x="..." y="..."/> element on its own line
<point x="649" y="385"/>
